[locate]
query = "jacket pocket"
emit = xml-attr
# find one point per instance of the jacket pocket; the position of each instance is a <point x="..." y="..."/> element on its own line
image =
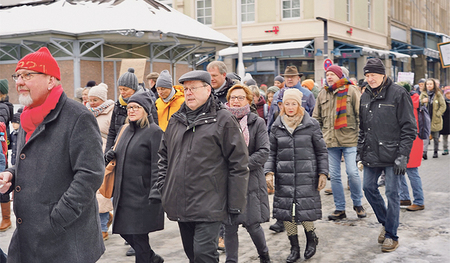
<point x="387" y="151"/>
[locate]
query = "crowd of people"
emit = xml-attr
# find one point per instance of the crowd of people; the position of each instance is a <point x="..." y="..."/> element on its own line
<point x="207" y="153"/>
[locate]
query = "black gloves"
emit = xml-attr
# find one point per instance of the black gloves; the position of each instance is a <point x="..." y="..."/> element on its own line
<point x="111" y="154"/>
<point x="400" y="165"/>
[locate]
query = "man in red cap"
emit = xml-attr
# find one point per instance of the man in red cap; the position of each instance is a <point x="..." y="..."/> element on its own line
<point x="59" y="168"/>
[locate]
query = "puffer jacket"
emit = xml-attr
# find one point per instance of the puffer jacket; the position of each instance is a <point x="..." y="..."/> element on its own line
<point x="257" y="210"/>
<point x="297" y="159"/>
<point x="325" y="114"/>
<point x="203" y="166"/>
<point x="166" y="110"/>
<point x="439" y="107"/>
<point x="387" y="126"/>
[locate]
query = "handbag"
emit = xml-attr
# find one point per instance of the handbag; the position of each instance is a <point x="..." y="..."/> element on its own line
<point x="107" y="187"/>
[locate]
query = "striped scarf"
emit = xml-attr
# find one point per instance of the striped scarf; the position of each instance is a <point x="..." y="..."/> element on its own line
<point x="341" y="102"/>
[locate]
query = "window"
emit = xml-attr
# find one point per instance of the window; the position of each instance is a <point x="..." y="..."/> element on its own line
<point x="369" y="13"/>
<point x="248" y="10"/>
<point x="348" y="11"/>
<point x="204" y="12"/>
<point x="291" y="8"/>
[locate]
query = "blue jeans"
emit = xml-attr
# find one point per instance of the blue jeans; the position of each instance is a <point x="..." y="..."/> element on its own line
<point x="389" y="217"/>
<point x="334" y="160"/>
<point x="104" y="217"/>
<point x="416" y="185"/>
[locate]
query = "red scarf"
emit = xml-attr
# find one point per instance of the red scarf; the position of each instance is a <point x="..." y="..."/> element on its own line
<point x="341" y="102"/>
<point x="31" y="118"/>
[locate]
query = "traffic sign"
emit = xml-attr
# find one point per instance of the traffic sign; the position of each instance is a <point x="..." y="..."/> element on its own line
<point x="327" y="63"/>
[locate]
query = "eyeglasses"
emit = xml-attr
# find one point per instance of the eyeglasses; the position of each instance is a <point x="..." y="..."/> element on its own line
<point x="239" y="98"/>
<point x="193" y="89"/>
<point x="134" y="108"/>
<point x="25" y="76"/>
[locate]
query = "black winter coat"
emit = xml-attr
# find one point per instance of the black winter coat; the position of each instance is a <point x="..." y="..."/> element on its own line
<point x="387" y="125"/>
<point x="136" y="174"/>
<point x="297" y="159"/>
<point x="203" y="166"/>
<point x="257" y="210"/>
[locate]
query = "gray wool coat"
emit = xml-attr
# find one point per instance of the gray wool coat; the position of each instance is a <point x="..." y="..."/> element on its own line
<point x="55" y="178"/>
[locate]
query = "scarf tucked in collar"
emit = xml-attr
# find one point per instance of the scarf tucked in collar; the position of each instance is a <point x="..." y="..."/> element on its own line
<point x="31" y="118"/>
<point x="341" y="102"/>
<point x="241" y="114"/>
<point x="99" y="110"/>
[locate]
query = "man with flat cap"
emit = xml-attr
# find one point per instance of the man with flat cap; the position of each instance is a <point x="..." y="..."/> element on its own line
<point x="203" y="168"/>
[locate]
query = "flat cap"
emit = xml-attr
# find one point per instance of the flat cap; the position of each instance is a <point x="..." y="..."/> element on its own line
<point x="196" y="75"/>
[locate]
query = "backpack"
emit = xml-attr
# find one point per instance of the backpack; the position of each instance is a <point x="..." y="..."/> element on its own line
<point x="424" y="122"/>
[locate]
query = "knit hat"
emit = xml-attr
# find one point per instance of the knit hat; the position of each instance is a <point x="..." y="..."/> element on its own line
<point x="336" y="70"/>
<point x="196" y="75"/>
<point x="233" y="75"/>
<point x="153" y="75"/>
<point x="374" y="65"/>
<point x="250" y="82"/>
<point x="422" y="80"/>
<point x="100" y="91"/>
<point x="128" y="79"/>
<point x="40" y="61"/>
<point x="279" y="79"/>
<point x="293" y="94"/>
<point x="309" y="83"/>
<point x="164" y="80"/>
<point x="273" y="89"/>
<point x="91" y="83"/>
<point x="4" y="88"/>
<point x="143" y="98"/>
<point x="16" y="117"/>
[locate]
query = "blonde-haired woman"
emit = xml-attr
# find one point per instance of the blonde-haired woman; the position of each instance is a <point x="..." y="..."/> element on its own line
<point x="299" y="160"/>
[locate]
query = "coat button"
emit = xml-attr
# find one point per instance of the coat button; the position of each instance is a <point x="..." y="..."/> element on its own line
<point x="19" y="220"/>
<point x="18" y="188"/>
<point x="22" y="156"/>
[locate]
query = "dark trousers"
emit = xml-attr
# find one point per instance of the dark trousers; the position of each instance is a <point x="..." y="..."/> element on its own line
<point x="200" y="241"/>
<point x="140" y="244"/>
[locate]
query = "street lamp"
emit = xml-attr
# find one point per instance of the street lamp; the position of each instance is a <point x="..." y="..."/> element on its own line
<point x="325" y="36"/>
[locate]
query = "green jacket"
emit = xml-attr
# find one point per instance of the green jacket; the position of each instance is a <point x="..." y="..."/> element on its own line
<point x="439" y="107"/>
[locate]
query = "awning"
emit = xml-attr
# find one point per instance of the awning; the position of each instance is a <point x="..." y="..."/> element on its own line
<point x="268" y="50"/>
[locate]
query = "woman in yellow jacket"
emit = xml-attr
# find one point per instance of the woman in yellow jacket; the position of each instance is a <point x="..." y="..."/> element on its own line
<point x="170" y="98"/>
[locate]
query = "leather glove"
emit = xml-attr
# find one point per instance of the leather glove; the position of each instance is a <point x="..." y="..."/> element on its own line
<point x="269" y="180"/>
<point x="111" y="154"/>
<point x="322" y="182"/>
<point x="400" y="165"/>
<point x="360" y="166"/>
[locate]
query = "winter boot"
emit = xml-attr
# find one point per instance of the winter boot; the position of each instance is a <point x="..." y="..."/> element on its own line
<point x="264" y="258"/>
<point x="277" y="227"/>
<point x="6" y="215"/>
<point x="311" y="242"/>
<point x="295" y="249"/>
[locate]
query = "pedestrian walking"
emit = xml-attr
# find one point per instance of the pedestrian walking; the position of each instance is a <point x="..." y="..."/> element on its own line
<point x="59" y="169"/>
<point x="170" y="98"/>
<point x="387" y="130"/>
<point x="298" y="160"/>
<point x="257" y="209"/>
<point x="337" y="111"/>
<point x="203" y="168"/>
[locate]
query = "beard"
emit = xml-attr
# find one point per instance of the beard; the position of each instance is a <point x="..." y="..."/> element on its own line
<point x="25" y="100"/>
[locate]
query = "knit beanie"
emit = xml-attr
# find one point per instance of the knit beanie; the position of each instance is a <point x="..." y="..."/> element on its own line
<point x="273" y="89"/>
<point x="164" y="80"/>
<point x="279" y="78"/>
<point x="374" y="65"/>
<point x="16" y="117"/>
<point x="40" y="61"/>
<point x="309" y="83"/>
<point x="336" y="70"/>
<point x="143" y="98"/>
<point x="100" y="91"/>
<point x="128" y="79"/>
<point x="4" y="88"/>
<point x="293" y="94"/>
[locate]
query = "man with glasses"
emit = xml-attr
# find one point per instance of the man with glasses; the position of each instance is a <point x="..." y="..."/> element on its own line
<point x="59" y="168"/>
<point x="203" y="174"/>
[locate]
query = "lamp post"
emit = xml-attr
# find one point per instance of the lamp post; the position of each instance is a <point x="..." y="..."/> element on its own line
<point x="325" y="36"/>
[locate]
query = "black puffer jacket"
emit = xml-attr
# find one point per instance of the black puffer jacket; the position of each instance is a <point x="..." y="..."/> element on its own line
<point x="203" y="167"/>
<point x="387" y="126"/>
<point x="297" y="159"/>
<point x="257" y="210"/>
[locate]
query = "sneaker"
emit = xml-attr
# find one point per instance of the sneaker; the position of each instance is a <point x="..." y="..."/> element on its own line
<point x="221" y="245"/>
<point x="445" y="152"/>
<point x="381" y="236"/>
<point x="328" y="191"/>
<point x="337" y="214"/>
<point x="360" y="211"/>
<point x="405" y="202"/>
<point x="389" y="245"/>
<point x="415" y="207"/>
